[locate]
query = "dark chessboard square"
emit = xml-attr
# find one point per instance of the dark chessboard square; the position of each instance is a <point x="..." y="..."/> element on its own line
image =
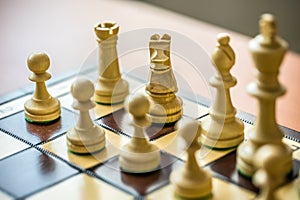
<point x="30" y="171"/>
<point x="37" y="133"/>
<point x="225" y="169"/>
<point x="135" y="183"/>
<point x="119" y="122"/>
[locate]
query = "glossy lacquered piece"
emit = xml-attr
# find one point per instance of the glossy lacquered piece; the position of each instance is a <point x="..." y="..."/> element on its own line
<point x="161" y="88"/>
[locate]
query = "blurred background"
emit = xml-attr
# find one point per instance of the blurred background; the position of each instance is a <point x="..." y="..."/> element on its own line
<point x="65" y="30"/>
<point x="242" y="15"/>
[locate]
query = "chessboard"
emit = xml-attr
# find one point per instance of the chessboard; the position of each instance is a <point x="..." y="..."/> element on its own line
<point x="36" y="164"/>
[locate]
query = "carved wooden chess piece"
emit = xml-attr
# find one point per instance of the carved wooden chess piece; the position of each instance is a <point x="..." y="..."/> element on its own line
<point x="139" y="155"/>
<point x="110" y="87"/>
<point x="191" y="181"/>
<point x="165" y="106"/>
<point x="85" y="137"/>
<point x="42" y="107"/>
<point x="267" y="50"/>
<point x="270" y="161"/>
<point x="221" y="129"/>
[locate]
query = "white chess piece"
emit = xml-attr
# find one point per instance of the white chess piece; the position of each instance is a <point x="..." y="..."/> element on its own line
<point x="110" y="87"/>
<point x="161" y="89"/>
<point x="85" y="137"/>
<point x="42" y="107"/>
<point x="221" y="129"/>
<point x="139" y="156"/>
<point x="191" y="181"/>
<point x="267" y="50"/>
<point x="270" y="161"/>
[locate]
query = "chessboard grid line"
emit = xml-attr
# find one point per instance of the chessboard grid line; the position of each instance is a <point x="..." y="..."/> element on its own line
<point x="50" y="154"/>
<point x="76" y="167"/>
<point x="8" y="193"/>
<point x="15" y="136"/>
<point x="110" y="128"/>
<point x="50" y="139"/>
<point x="288" y="136"/>
<point x="246" y="117"/>
<point x="13" y="154"/>
<point x="48" y="186"/>
<point x="95" y="175"/>
<point x="87" y="171"/>
<point x="30" y="88"/>
<point x="80" y="169"/>
<point x="136" y="196"/>
<point x="29" y="143"/>
<point x="202" y="116"/>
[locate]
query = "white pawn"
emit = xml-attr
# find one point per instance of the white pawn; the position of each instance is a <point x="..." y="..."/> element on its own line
<point x="191" y="181"/>
<point x="139" y="156"/>
<point x="85" y="137"/>
<point x="270" y="161"/>
<point x="42" y="107"/>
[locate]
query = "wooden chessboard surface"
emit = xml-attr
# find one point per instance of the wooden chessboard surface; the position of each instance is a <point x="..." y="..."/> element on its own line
<point x="35" y="162"/>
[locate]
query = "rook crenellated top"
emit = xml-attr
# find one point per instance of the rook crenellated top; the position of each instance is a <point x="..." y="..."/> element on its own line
<point x="106" y="30"/>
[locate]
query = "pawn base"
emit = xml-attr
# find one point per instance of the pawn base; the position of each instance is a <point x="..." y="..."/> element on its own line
<point x="42" y="112"/>
<point x="246" y="152"/>
<point x="111" y="92"/>
<point x="187" y="188"/>
<point x="139" y="162"/>
<point x="86" y="142"/>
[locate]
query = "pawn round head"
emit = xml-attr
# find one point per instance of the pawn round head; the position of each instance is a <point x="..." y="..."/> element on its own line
<point x="38" y="62"/>
<point x="191" y="132"/>
<point x="223" y="39"/>
<point x="138" y="106"/>
<point x="82" y="89"/>
<point x="271" y="157"/>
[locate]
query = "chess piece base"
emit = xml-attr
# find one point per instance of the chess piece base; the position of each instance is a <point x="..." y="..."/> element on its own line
<point x="164" y="109"/>
<point x="111" y="92"/>
<point x="245" y="154"/>
<point x="139" y="162"/>
<point x="86" y="141"/>
<point x="222" y="136"/>
<point x="37" y="111"/>
<point x="187" y="188"/>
